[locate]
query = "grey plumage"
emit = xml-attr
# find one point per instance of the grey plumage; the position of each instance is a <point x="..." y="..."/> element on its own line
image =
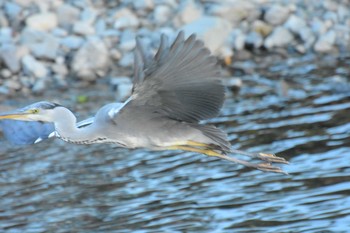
<point x="173" y="92"/>
<point x="182" y="82"/>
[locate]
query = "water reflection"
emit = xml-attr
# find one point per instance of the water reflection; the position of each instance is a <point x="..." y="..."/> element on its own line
<point x="57" y="187"/>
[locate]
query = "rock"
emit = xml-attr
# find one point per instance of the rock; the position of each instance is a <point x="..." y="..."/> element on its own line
<point x="326" y="42"/>
<point x="188" y="12"/>
<point x="39" y="86"/>
<point x="27" y="81"/>
<point x="21" y="51"/>
<point x="126" y="60"/>
<point x="92" y="59"/>
<point x="300" y="48"/>
<point x="276" y="14"/>
<point x="30" y="36"/>
<point x="234" y="84"/>
<point x="59" y="32"/>
<point x="299" y="27"/>
<point x="115" y="54"/>
<point x="5" y="73"/>
<point x="100" y="26"/>
<point x="47" y="48"/>
<point x="262" y="28"/>
<point x="6" y="35"/>
<point x="307" y="36"/>
<point x="214" y="31"/>
<point x="238" y="39"/>
<point x="3" y="20"/>
<point x="143" y="4"/>
<point x="88" y="15"/>
<point x="60" y="69"/>
<point x="83" y="28"/>
<point x="125" y="18"/>
<point x="278" y="38"/>
<point x="343" y="13"/>
<point x="8" y="54"/>
<point x="127" y="40"/>
<point x="24" y="3"/>
<point x="41" y="44"/>
<point x="318" y="26"/>
<point x="295" y="23"/>
<point x="330" y="16"/>
<point x="330" y="5"/>
<point x="72" y="42"/>
<point x="234" y="11"/>
<point x="67" y="15"/>
<point x="162" y="14"/>
<point x="254" y="40"/>
<point x="4" y="90"/>
<point x="12" y="10"/>
<point x="60" y="81"/>
<point x="42" y="21"/>
<point x="123" y="86"/>
<point x="12" y="84"/>
<point x="34" y="67"/>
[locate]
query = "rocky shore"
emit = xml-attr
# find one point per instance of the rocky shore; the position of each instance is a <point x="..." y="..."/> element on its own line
<point x="50" y="44"/>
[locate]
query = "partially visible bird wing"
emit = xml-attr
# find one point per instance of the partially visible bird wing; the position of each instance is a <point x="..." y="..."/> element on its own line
<point x="31" y="132"/>
<point x="26" y="132"/>
<point x="85" y="122"/>
<point x="182" y="81"/>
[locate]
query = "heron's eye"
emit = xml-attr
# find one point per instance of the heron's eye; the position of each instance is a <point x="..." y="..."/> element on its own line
<point x="35" y="111"/>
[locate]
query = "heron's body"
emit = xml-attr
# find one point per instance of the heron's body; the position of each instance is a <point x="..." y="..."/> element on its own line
<point x="111" y="125"/>
<point x="173" y="92"/>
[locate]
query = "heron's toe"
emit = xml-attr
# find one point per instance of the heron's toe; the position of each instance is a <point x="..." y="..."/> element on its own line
<point x="272" y="158"/>
<point x="267" y="167"/>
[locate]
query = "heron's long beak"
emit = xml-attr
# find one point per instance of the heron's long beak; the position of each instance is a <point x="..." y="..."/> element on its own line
<point x="16" y="115"/>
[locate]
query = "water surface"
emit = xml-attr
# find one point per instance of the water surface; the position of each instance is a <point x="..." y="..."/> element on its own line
<point x="297" y="107"/>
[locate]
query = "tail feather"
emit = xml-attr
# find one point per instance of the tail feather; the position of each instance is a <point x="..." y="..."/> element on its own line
<point x="218" y="136"/>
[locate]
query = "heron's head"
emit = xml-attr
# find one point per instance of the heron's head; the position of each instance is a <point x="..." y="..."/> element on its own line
<point x="40" y="111"/>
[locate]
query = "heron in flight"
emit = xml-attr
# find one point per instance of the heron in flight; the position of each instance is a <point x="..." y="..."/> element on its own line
<point x="173" y="92"/>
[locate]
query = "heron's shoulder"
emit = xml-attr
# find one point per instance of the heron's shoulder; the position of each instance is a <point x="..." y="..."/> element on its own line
<point x="111" y="110"/>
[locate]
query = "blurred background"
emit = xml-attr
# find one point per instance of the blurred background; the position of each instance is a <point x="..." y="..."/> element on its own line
<point x="286" y="66"/>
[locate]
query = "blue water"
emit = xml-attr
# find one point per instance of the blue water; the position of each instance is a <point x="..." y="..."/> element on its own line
<point x="298" y="108"/>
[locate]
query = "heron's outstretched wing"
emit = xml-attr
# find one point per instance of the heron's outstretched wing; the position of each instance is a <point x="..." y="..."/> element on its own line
<point x="182" y="81"/>
<point x="25" y="132"/>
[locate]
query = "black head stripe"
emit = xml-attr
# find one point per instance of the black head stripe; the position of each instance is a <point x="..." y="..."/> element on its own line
<point x="43" y="105"/>
<point x="48" y="105"/>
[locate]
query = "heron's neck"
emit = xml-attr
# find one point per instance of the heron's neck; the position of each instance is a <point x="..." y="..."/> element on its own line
<point x="65" y="126"/>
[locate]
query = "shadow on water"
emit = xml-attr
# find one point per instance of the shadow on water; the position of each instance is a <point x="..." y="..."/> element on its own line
<point x="298" y="108"/>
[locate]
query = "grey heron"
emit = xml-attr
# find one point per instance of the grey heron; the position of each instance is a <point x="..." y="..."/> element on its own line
<point x="173" y="92"/>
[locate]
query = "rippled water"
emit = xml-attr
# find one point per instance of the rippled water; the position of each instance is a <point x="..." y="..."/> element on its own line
<point x="298" y="108"/>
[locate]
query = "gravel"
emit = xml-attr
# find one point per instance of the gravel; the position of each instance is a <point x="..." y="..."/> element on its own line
<point x="47" y="44"/>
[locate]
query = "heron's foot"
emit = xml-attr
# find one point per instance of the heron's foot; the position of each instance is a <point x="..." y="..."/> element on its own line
<point x="267" y="157"/>
<point x="268" y="167"/>
<point x="271" y="158"/>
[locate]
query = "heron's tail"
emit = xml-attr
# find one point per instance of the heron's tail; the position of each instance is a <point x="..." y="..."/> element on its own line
<point x="218" y="137"/>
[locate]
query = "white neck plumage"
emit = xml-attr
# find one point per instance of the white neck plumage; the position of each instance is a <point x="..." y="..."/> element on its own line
<point x="66" y="128"/>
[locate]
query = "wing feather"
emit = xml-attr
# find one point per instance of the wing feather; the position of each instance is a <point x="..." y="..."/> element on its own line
<point x="182" y="81"/>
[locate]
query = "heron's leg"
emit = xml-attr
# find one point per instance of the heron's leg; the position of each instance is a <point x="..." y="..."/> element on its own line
<point x="267" y="157"/>
<point x="206" y="150"/>
<point x="194" y="149"/>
